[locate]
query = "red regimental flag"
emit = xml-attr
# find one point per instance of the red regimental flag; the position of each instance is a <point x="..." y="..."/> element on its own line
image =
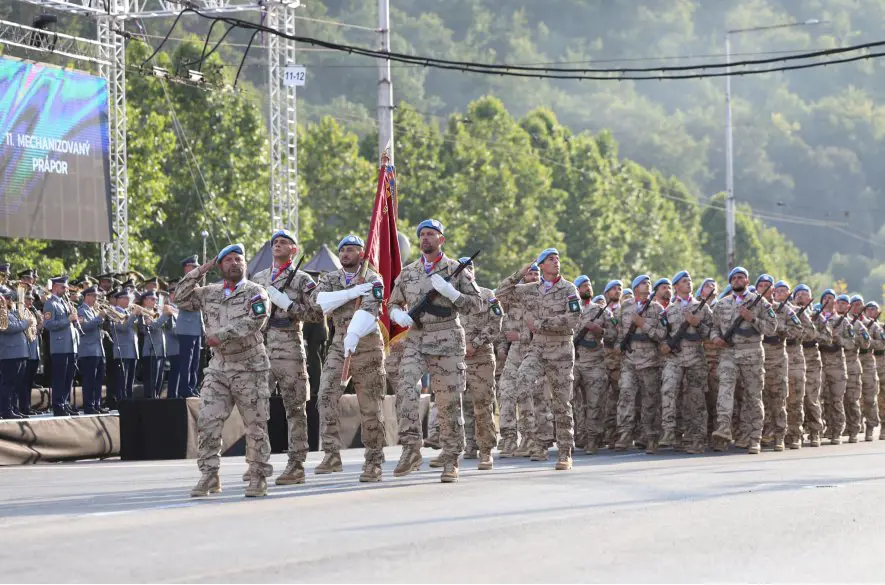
<point x="382" y="245"/>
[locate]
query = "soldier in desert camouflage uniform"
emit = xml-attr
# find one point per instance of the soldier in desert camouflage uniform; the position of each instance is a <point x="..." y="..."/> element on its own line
<point x="234" y="313"/>
<point x="742" y="361"/>
<point x="285" y="346"/>
<point x="877" y="347"/>
<point x="613" y="357"/>
<point x="858" y="341"/>
<point x="796" y="364"/>
<point x="356" y="335"/>
<point x="686" y="371"/>
<point x="553" y="312"/>
<point x="870" y="377"/>
<point x="818" y="334"/>
<point x="437" y="347"/>
<point x="711" y="353"/>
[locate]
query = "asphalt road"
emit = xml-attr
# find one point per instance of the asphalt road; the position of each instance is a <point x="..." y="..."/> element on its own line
<point x="812" y="515"/>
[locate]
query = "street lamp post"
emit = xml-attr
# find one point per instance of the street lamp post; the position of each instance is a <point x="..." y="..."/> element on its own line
<point x="729" y="145"/>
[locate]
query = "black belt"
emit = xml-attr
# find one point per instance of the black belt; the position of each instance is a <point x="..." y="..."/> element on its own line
<point x="830" y="348"/>
<point x="639" y="337"/>
<point x="588" y="343"/>
<point x="864" y="351"/>
<point x="437" y="311"/>
<point x="809" y="344"/>
<point x="879" y="352"/>
<point x="792" y="342"/>
<point x="772" y="340"/>
<point x="279" y="322"/>
<point x="746" y="332"/>
<point x="691" y="337"/>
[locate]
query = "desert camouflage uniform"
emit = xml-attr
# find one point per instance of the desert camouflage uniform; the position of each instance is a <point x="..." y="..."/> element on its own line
<point x="878" y="345"/>
<point x="835" y="375"/>
<point x="237" y="371"/>
<point x="686" y="373"/>
<point x="776" y="386"/>
<point x="641" y="373"/>
<point x="742" y="363"/>
<point x="437" y="347"/>
<point x="591" y="375"/>
<point x="480" y="330"/>
<point x="711" y="354"/>
<point x="858" y="339"/>
<point x="796" y="371"/>
<point x="366" y="369"/>
<point x="870" y="377"/>
<point x="814" y="411"/>
<point x="288" y="357"/>
<point x="550" y="357"/>
<point x="613" y="359"/>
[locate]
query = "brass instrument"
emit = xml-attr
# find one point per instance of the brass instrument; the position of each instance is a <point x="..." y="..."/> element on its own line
<point x="142" y="311"/>
<point x="4" y="313"/>
<point x="109" y="312"/>
<point x="21" y="292"/>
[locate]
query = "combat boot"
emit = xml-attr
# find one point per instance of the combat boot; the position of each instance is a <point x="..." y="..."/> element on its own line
<point x="470" y="452"/>
<point x="695" y="447"/>
<point x="525" y="448"/>
<point x="540" y="454"/>
<point x="668" y="439"/>
<point x="754" y="448"/>
<point x="742" y="443"/>
<point x="814" y="440"/>
<point x="208" y="484"/>
<point x="592" y="446"/>
<point x="371" y="472"/>
<point x="835" y="440"/>
<point x="723" y="433"/>
<point x="869" y="434"/>
<point x="651" y="447"/>
<point x="795" y="442"/>
<point x="501" y="441"/>
<point x="564" y="463"/>
<point x="508" y="449"/>
<point x="778" y="444"/>
<point x="767" y="442"/>
<point x="852" y="438"/>
<point x="450" y="473"/>
<point x="330" y="464"/>
<point x="432" y="441"/>
<point x="409" y="461"/>
<point x="257" y="487"/>
<point x="247" y="475"/>
<point x="625" y="440"/>
<point x="438" y="461"/>
<point x="882" y="432"/>
<point x="293" y="474"/>
<point x="485" y="461"/>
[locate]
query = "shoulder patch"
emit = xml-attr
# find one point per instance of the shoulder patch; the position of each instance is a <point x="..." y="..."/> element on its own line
<point x="258" y="306"/>
<point x="614" y="320"/>
<point x="47" y="316"/>
<point x="664" y="320"/>
<point x="866" y="336"/>
<point x="573" y="305"/>
<point x="495" y="307"/>
<point x="310" y="285"/>
<point x="378" y="290"/>
<point x="770" y="312"/>
<point x="793" y="317"/>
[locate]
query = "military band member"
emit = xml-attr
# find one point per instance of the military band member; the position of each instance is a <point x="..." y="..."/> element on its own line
<point x="34" y="353"/>
<point x="91" y="357"/>
<point x="189" y="329"/>
<point x="151" y="325"/>
<point x="63" y="324"/>
<point x="124" y="336"/>
<point x="13" y="351"/>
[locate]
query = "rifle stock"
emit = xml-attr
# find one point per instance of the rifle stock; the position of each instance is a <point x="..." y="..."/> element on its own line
<point x="737" y="322"/>
<point x="419" y="309"/>
<point x="675" y="342"/>
<point x="625" y="345"/>
<point x="584" y="331"/>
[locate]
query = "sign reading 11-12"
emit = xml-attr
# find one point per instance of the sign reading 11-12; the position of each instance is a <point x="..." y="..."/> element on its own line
<point x="295" y="75"/>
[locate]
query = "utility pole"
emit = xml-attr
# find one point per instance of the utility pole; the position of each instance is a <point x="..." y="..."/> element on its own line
<point x="385" y="84"/>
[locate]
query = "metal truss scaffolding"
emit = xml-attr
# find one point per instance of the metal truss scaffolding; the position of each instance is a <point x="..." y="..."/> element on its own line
<point x="109" y="53"/>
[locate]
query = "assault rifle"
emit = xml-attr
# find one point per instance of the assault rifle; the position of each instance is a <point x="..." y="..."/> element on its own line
<point x="628" y="341"/>
<point x="781" y="306"/>
<point x="286" y="283"/>
<point x="424" y="306"/>
<point x="676" y="341"/>
<point x="583" y="333"/>
<point x="737" y="322"/>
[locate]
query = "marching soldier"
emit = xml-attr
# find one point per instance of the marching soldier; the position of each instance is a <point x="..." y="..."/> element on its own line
<point x="358" y="337"/>
<point x="859" y="339"/>
<point x="868" y="361"/>
<point x="437" y="346"/>
<point x="818" y="333"/>
<point x="775" y="389"/>
<point x="235" y="312"/>
<point x="553" y="313"/>
<point x="285" y="345"/>
<point x="64" y="341"/>
<point x="835" y="373"/>
<point x="741" y="359"/>
<point x="613" y="357"/>
<point x="877" y="337"/>
<point x="711" y="353"/>
<point x="685" y="371"/>
<point x="796" y="364"/>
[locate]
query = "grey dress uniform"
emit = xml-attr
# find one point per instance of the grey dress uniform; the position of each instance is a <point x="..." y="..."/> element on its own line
<point x="64" y="342"/>
<point x="91" y="359"/>
<point x="13" y="355"/>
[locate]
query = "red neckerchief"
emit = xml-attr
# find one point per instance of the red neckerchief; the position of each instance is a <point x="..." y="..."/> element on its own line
<point x="230" y="286"/>
<point x="431" y="266"/>
<point x="684" y="302"/>
<point x="547" y="285"/>
<point x="589" y="303"/>
<point x="738" y="299"/>
<point x="277" y="271"/>
<point x="640" y="304"/>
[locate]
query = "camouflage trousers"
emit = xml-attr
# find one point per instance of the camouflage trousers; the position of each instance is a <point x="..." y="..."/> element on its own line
<point x="646" y="385"/>
<point x="579" y="413"/>
<point x="479" y="403"/>
<point x="512" y="400"/>
<point x="851" y="399"/>
<point x="219" y="393"/>
<point x="612" y="393"/>
<point x="833" y="381"/>
<point x="774" y="393"/>
<point x="367" y="370"/>
<point x="880" y="366"/>
<point x="795" y="393"/>
<point x="691" y="383"/>
<point x="750" y="377"/>
<point x="290" y="376"/>
<point x="870" y="389"/>
<point x="591" y="385"/>
<point x="711" y="353"/>
<point x="814" y="422"/>
<point x="449" y="380"/>
<point x="549" y="367"/>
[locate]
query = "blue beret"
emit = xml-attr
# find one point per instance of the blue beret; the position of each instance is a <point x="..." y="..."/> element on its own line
<point x="782" y="283"/>
<point x="546" y="253"/>
<point x="697" y="293"/>
<point x="612" y="285"/>
<point x="465" y="260"/>
<point x="59" y="280"/>
<point x="680" y="275"/>
<point x="765" y="278"/>
<point x="432" y="224"/>
<point x="661" y="281"/>
<point x="534" y="267"/>
<point x="600" y="299"/>
<point x="283" y="233"/>
<point x="193" y="259"/>
<point x="817" y="307"/>
<point x="800" y="287"/>
<point x="845" y="298"/>
<point x="351" y="240"/>
<point x="725" y="292"/>
<point x="738" y="270"/>
<point x="829" y="291"/>
<point x="232" y="249"/>
<point x="639" y="280"/>
<point x="751" y="288"/>
<point x="5" y="267"/>
<point x="873" y="304"/>
<point x="627" y="291"/>
<point x="856" y="298"/>
<point x="581" y="280"/>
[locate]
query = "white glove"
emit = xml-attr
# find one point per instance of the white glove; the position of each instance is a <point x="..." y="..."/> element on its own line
<point x="445" y="288"/>
<point x="279" y="298"/>
<point x="350" y="342"/>
<point x="360" y="290"/>
<point x="401" y="318"/>
<point x="329" y="301"/>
